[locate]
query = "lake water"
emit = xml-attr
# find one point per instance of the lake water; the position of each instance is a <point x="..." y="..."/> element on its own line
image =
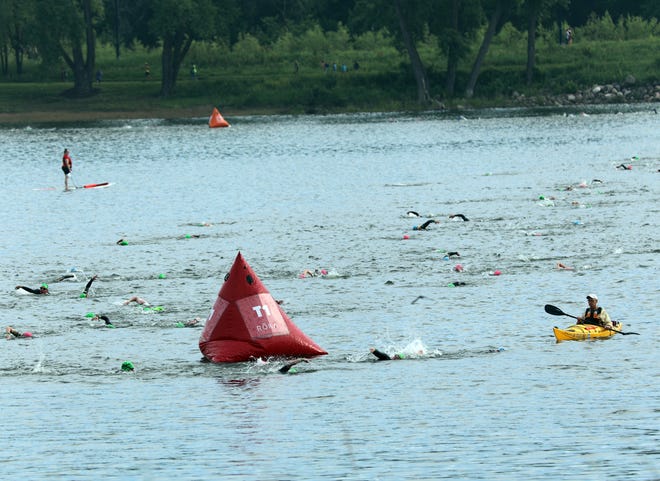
<point x="493" y="396"/>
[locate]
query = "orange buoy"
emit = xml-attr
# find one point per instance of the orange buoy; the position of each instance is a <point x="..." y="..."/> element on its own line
<point x="217" y="120"/>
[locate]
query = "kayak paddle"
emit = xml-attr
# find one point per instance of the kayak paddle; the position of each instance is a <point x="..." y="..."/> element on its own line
<point x="555" y="311"/>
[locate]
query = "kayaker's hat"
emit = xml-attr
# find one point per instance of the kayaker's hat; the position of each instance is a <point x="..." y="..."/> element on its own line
<point x="592" y="296"/>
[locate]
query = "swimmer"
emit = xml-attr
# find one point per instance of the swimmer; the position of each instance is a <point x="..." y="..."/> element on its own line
<point x="453" y="254"/>
<point x="287" y="367"/>
<point x="105" y="319"/>
<point x="11" y="333"/>
<point x="458" y="216"/>
<point x="425" y="225"/>
<point x="189" y="236"/>
<point x="85" y="292"/>
<point x="412" y="213"/>
<point x="137" y="300"/>
<point x="456" y="284"/>
<point x="417" y="299"/>
<point x="385" y="357"/>
<point x="314" y="273"/>
<point x="564" y="267"/>
<point x="624" y="167"/>
<point x="190" y="323"/>
<point x="121" y="242"/>
<point x="43" y="289"/>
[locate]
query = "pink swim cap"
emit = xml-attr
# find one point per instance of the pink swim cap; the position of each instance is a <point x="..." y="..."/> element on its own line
<point x="497" y="273"/>
<point x="27" y="334"/>
<point x="458" y="268"/>
<point x="324" y="272"/>
<point x="406" y="236"/>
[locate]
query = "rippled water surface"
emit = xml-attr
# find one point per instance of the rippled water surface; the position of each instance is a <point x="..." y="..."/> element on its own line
<point x="493" y="396"/>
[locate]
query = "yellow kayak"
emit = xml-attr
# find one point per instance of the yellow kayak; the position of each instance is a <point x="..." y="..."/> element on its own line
<point x="580" y="332"/>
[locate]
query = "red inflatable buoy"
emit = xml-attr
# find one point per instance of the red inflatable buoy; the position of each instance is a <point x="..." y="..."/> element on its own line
<point x="247" y="323"/>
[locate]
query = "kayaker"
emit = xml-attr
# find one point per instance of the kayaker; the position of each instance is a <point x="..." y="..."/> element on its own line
<point x="595" y="315"/>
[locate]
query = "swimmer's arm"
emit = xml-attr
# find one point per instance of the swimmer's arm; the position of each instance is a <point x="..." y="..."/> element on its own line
<point x="33" y="291"/>
<point x="380" y="355"/>
<point x="284" y="369"/>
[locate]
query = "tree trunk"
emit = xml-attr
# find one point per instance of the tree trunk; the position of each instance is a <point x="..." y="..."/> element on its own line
<point x="175" y="49"/>
<point x="423" y="96"/>
<point x="452" y="50"/>
<point x="4" y="59"/>
<point x="532" y="20"/>
<point x="483" y="50"/>
<point x="83" y="68"/>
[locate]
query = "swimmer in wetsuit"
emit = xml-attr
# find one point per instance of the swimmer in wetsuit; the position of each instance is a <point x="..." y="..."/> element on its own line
<point x="89" y="284"/>
<point x="105" y="319"/>
<point x="287" y="367"/>
<point x="425" y="225"/>
<point x="459" y="216"/>
<point x="43" y="289"/>
<point x="383" y="356"/>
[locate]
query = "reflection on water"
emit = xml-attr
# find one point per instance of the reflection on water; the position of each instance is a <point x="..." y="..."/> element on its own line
<point x="492" y="396"/>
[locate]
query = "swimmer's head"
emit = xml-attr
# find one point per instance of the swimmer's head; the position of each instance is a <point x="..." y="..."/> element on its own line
<point x="127" y="366"/>
<point x="399" y="356"/>
<point x="415" y="227"/>
<point x="324" y="272"/>
<point x="43" y="288"/>
<point x="27" y="334"/>
<point x="83" y="295"/>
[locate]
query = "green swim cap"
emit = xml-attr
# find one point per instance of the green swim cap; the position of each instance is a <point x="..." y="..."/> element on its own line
<point x="161" y="276"/>
<point x="293" y="370"/>
<point x="127" y="366"/>
<point x="83" y="295"/>
<point x="109" y="326"/>
<point x="123" y="243"/>
<point x="179" y="324"/>
<point x="90" y="314"/>
<point x="44" y="285"/>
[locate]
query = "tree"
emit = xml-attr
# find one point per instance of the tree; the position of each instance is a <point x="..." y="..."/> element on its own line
<point x="423" y="96"/>
<point x="173" y="25"/>
<point x="455" y="22"/>
<point x="499" y="11"/>
<point x="537" y="10"/>
<point x="67" y="32"/>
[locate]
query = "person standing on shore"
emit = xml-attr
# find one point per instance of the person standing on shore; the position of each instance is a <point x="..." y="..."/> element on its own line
<point x="67" y="167"/>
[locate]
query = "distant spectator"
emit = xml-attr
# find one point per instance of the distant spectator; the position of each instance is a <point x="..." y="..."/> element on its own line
<point x="99" y="76"/>
<point x="569" y="36"/>
<point x="356" y="65"/>
<point x="193" y="72"/>
<point x="147" y="70"/>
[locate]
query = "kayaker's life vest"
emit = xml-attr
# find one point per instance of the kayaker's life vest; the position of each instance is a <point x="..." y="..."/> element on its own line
<point x="593" y="317"/>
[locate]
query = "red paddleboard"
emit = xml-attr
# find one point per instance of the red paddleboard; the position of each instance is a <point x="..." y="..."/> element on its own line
<point x="96" y="186"/>
<point x="247" y="323"/>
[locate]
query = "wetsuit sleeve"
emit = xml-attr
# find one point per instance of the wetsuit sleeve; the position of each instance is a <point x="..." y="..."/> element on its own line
<point x="33" y="291"/>
<point x="284" y="369"/>
<point x="381" y="355"/>
<point x="425" y="225"/>
<point x="89" y="284"/>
